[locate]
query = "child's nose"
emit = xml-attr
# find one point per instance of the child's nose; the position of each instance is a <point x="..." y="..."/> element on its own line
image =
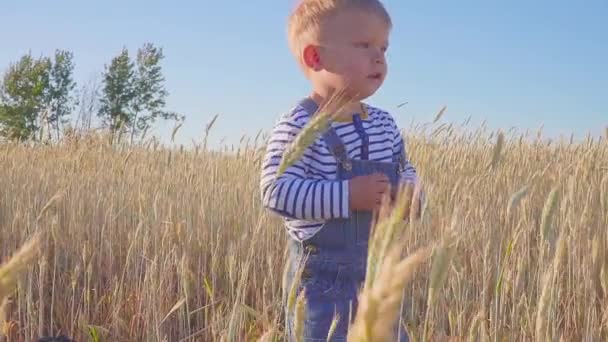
<point x="378" y="56"/>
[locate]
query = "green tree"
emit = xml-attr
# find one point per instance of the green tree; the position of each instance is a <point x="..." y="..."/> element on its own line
<point x="134" y="93"/>
<point x="23" y="94"/>
<point x="150" y="90"/>
<point x="36" y="94"/>
<point x="60" y="98"/>
<point x="118" y="93"/>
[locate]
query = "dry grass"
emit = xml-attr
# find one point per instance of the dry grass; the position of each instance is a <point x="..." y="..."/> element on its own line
<point x="147" y="243"/>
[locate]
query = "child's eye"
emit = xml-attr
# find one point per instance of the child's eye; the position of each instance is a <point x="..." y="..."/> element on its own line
<point x="363" y="45"/>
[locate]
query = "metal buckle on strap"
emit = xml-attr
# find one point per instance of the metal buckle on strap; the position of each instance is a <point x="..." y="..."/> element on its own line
<point x="347" y="165"/>
<point x="311" y="249"/>
<point x="305" y="273"/>
<point x="339" y="152"/>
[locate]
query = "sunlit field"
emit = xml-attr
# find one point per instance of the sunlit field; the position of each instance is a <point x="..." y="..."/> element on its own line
<point x="151" y="243"/>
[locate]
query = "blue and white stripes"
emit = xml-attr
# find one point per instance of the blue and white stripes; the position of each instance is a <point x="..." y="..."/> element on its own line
<point x="308" y="193"/>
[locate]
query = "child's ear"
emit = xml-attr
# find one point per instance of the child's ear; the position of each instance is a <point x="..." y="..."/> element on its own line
<point x="312" y="58"/>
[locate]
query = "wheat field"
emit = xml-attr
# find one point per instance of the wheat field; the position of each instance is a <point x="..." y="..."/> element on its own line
<point x="151" y="243"/>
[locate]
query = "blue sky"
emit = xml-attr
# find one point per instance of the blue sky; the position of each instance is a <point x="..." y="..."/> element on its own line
<point x="517" y="63"/>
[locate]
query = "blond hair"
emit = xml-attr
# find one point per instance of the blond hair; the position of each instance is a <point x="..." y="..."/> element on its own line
<point x="306" y="21"/>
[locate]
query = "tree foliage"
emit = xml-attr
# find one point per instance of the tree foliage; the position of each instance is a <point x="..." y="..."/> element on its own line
<point x="36" y="94"/>
<point x="134" y="95"/>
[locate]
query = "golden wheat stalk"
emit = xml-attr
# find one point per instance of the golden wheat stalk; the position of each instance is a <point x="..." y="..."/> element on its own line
<point x="498" y="147"/>
<point x="15" y="267"/>
<point x="547" y="215"/>
<point x="379" y="305"/>
<point x="333" y="326"/>
<point x="300" y="316"/>
<point x="319" y="123"/>
<point x="268" y="336"/>
<point x="442" y="256"/>
<point x="516" y="198"/>
<point x="604" y="190"/>
<point x="49" y="204"/>
<point x="597" y="255"/>
<point x="293" y="290"/>
<point x="440" y="114"/>
<point x="387" y="275"/>
<point x="211" y="123"/>
<point x="175" y="129"/>
<point x="544" y="302"/>
<point x="476" y="330"/>
<point x="385" y="230"/>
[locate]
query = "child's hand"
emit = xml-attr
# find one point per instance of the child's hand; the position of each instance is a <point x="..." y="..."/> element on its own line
<point x="367" y="192"/>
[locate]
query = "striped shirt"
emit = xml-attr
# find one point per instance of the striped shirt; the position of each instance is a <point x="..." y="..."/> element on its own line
<point x="309" y="193"/>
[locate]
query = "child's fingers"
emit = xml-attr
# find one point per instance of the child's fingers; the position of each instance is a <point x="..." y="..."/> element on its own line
<point x="381" y="200"/>
<point x="380" y="178"/>
<point x="382" y="188"/>
<point x="376" y="178"/>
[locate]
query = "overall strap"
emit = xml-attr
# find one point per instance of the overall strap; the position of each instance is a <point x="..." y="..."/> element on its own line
<point x="331" y="138"/>
<point x="337" y="148"/>
<point x="363" y="135"/>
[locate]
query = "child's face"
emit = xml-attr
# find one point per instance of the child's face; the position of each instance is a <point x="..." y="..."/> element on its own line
<point x="351" y="53"/>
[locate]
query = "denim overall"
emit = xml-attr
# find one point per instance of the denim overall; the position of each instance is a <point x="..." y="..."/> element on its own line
<point x="336" y="257"/>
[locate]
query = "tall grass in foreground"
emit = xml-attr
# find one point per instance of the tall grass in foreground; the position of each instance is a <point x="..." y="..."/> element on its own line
<point x="151" y="243"/>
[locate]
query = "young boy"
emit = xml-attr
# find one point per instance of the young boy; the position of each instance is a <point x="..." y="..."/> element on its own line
<point x="328" y="197"/>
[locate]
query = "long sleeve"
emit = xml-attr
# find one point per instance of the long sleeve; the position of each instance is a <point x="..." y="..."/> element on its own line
<point x="409" y="175"/>
<point x="295" y="194"/>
